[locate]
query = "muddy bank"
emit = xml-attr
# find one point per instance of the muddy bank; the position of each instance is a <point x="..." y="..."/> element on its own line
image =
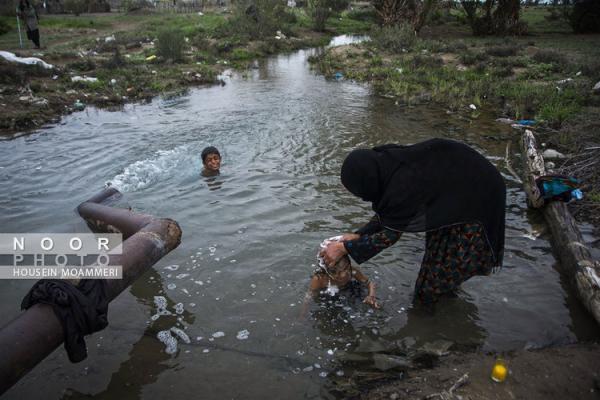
<point x="31" y="97"/>
<point x="568" y="372"/>
<point x="121" y="64"/>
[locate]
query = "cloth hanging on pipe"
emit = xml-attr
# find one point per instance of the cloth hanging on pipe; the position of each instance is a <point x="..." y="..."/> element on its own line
<point x="81" y="309"/>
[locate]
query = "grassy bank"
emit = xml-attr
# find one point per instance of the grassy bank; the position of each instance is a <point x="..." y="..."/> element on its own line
<point x="137" y="57"/>
<point x="544" y="76"/>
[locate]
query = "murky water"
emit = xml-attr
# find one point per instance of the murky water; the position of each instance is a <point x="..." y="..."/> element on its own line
<point x="250" y="239"/>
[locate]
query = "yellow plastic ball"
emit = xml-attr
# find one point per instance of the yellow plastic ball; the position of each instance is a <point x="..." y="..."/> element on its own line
<point x="499" y="373"/>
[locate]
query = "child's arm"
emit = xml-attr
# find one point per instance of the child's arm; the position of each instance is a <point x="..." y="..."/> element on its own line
<point x="316" y="284"/>
<point x="362" y="278"/>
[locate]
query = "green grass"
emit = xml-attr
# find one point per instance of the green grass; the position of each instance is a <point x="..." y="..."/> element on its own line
<point x="343" y="24"/>
<point x="302" y="19"/>
<point x="189" y="24"/>
<point x="72" y="22"/>
<point x="241" y="54"/>
<point x="538" y="23"/>
<point x="593" y="196"/>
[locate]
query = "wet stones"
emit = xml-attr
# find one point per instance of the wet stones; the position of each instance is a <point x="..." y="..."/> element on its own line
<point x="385" y="362"/>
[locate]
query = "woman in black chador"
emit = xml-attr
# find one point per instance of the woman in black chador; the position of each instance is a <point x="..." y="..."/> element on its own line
<point x="438" y="186"/>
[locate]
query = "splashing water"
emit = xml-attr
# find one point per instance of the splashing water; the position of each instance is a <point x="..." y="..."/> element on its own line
<point x="164" y="164"/>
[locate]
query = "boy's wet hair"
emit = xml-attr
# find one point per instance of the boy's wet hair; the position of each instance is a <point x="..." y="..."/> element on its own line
<point x="209" y="150"/>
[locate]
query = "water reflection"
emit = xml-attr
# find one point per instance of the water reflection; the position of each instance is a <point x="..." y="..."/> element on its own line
<point x="143" y="366"/>
<point x="214" y="182"/>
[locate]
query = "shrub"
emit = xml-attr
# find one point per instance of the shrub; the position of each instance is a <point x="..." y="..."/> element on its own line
<point x="134" y="5"/>
<point x="472" y="57"/>
<point x="4" y="26"/>
<point x="240" y="54"/>
<point x="502" y="51"/>
<point x="75" y="7"/>
<point x="590" y="67"/>
<point x="255" y="19"/>
<point x="396" y="38"/>
<point x="115" y="61"/>
<point x="96" y="6"/>
<point x="512" y="62"/>
<point x="480" y="67"/>
<point x="456" y="46"/>
<point x="426" y="61"/>
<point x="540" y="71"/>
<point x="550" y="57"/>
<point x="502" y="71"/>
<point x="338" y="5"/>
<point x="415" y="12"/>
<point x="7" y="8"/>
<point x="366" y="15"/>
<point x="319" y="12"/>
<point x="170" y="44"/>
<point x="585" y="17"/>
<point x="554" y="14"/>
<point x="82" y="65"/>
<point x="487" y="18"/>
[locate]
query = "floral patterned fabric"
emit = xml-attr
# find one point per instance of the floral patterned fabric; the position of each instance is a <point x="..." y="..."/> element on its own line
<point x="453" y="254"/>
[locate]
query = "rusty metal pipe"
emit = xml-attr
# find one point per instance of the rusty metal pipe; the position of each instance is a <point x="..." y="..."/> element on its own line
<point x="36" y="333"/>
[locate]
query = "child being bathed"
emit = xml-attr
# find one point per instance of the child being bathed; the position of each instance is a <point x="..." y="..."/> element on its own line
<point x="332" y="279"/>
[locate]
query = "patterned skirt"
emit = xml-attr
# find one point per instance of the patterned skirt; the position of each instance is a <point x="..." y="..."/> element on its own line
<point x="453" y="254"/>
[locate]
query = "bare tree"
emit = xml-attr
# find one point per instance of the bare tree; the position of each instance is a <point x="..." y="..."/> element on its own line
<point x="494" y="17"/>
<point x="413" y="12"/>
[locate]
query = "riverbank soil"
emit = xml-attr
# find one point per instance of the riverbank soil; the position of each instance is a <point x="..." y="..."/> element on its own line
<point x="561" y="373"/>
<point x="107" y="60"/>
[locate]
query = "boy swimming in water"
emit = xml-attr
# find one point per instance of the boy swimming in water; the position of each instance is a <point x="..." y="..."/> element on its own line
<point x="339" y="276"/>
<point x="211" y="160"/>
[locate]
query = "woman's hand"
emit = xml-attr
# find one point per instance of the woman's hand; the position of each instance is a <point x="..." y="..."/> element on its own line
<point x="333" y="253"/>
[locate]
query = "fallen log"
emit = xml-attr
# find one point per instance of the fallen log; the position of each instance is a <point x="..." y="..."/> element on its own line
<point x="37" y="332"/>
<point x="574" y="257"/>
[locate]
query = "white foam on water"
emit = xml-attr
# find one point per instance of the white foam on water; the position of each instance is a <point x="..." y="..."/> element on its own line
<point x="181" y="334"/>
<point x="218" y="334"/>
<point x="169" y="341"/>
<point x="243" y="335"/>
<point x="162" y="165"/>
<point x="161" y="307"/>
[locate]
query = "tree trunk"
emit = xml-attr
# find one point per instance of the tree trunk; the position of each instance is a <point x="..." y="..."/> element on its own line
<point x="575" y="259"/>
